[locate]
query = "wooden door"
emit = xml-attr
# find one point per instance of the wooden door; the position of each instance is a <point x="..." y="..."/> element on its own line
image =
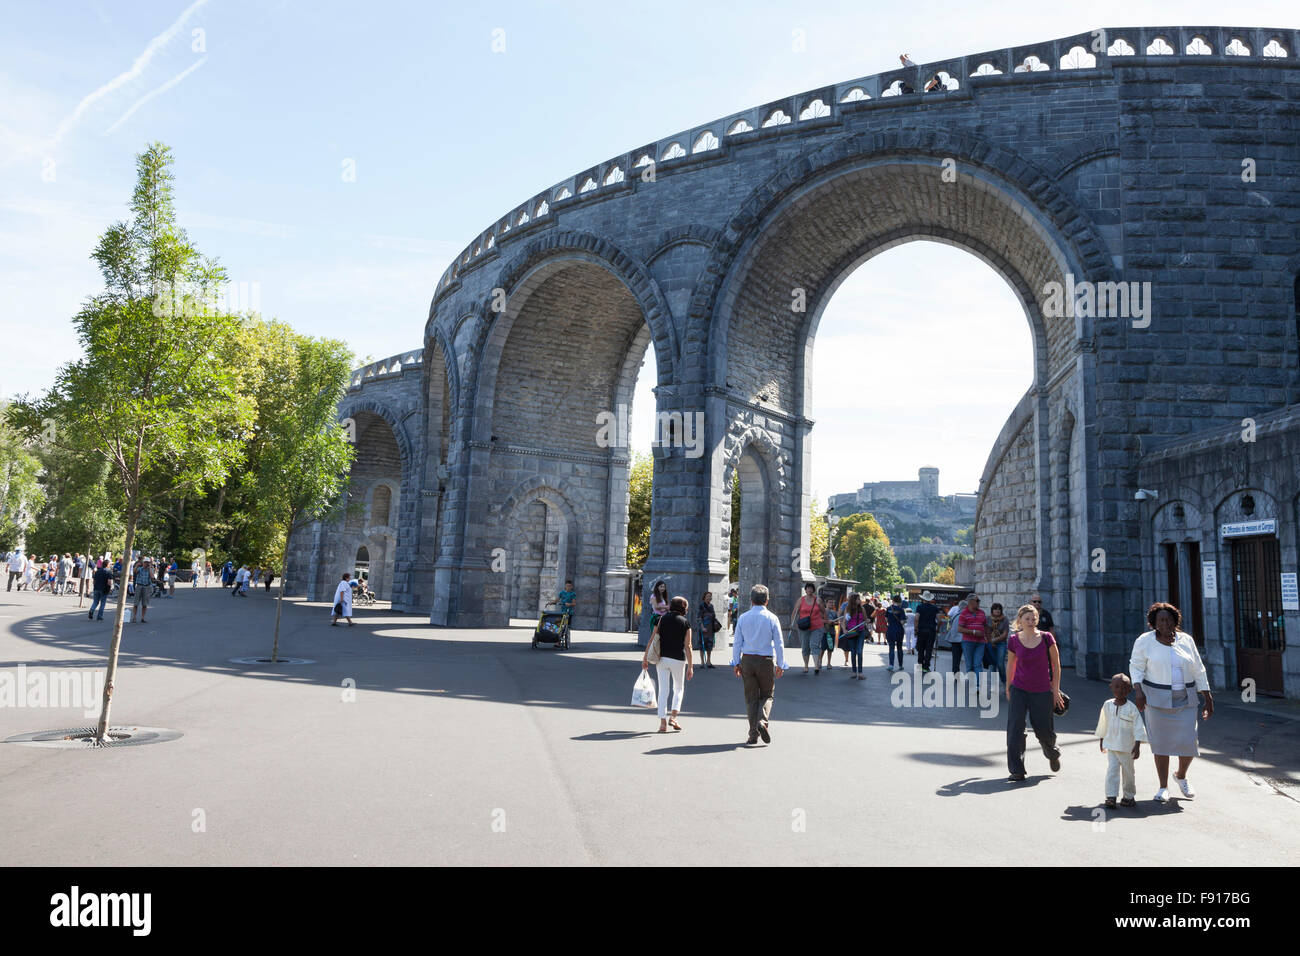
<point x="1257" y="610"/>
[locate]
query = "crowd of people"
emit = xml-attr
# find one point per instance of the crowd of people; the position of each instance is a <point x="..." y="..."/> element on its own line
<point x="148" y="577"/>
<point x="1167" y="679"/>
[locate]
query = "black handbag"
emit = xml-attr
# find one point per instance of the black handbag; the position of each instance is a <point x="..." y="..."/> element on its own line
<point x="805" y="623"/>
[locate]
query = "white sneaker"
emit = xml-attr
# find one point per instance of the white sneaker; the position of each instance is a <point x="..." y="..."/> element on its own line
<point x="1185" y="785"/>
<point x="1162" y="795"/>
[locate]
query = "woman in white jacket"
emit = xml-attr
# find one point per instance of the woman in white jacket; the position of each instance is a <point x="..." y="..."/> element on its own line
<point x="1167" y="675"/>
<point x="342" y="602"/>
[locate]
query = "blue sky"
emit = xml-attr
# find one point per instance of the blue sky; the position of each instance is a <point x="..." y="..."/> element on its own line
<point x="268" y="101"/>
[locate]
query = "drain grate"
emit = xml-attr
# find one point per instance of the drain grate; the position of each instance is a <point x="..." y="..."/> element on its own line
<point x="83" y="738"/>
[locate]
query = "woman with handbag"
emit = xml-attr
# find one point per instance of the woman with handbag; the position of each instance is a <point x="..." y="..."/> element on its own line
<point x="709" y="627"/>
<point x="854" y="635"/>
<point x="1033" y="688"/>
<point x="670" y="651"/>
<point x="808" y="618"/>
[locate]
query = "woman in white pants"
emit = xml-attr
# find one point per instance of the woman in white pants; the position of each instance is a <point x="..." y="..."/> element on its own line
<point x="674" y="632"/>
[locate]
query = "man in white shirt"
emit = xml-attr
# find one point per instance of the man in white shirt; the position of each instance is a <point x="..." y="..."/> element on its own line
<point x="17" y="565"/>
<point x="758" y="658"/>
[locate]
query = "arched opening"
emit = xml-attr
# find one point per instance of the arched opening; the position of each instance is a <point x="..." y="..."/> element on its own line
<point x="361" y="566"/>
<point x="372" y="505"/>
<point x="920" y="356"/>
<point x="561" y="368"/>
<point x="381" y="506"/>
<point x="802" y="251"/>
<point x="751" y="523"/>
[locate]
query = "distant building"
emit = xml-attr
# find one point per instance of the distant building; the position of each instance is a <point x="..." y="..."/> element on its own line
<point x="924" y="488"/>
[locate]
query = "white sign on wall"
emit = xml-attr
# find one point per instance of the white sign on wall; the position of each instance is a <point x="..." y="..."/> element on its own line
<point x="1239" y="529"/>
<point x="1209" y="580"/>
<point x="1290" y="594"/>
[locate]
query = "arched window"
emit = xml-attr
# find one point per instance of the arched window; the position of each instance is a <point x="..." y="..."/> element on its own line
<point x="382" y="504"/>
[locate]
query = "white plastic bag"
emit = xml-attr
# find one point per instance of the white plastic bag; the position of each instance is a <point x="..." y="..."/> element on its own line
<point x="643" y="692"/>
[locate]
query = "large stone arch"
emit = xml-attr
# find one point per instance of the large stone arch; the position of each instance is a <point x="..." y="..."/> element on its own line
<point x="551" y="393"/>
<point x="521" y="567"/>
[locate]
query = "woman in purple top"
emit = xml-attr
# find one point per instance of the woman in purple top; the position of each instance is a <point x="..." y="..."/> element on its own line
<point x="1033" y="687"/>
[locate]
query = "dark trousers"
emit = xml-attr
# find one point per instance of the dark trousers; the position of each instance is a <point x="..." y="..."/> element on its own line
<point x="925" y="647"/>
<point x="855" y="650"/>
<point x="1039" y="709"/>
<point x="895" y="644"/>
<point x="12" y="575"/>
<point x="759" y="676"/>
<point x="956" y="657"/>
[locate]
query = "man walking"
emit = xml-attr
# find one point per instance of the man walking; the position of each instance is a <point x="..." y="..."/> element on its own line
<point x="758" y="642"/>
<point x="927" y="629"/>
<point x="142" y="582"/>
<point x="103" y="585"/>
<point x="17" y="565"/>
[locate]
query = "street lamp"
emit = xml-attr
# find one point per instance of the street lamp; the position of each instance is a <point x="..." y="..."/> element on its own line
<point x="832" y="520"/>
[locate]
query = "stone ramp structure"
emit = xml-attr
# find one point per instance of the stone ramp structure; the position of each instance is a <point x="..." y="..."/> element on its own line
<point x="1089" y="165"/>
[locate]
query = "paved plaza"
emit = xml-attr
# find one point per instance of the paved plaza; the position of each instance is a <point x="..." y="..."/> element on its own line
<point x="466" y="746"/>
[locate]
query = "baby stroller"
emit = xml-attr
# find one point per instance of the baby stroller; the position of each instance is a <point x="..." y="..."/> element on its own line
<point x="552" y="628"/>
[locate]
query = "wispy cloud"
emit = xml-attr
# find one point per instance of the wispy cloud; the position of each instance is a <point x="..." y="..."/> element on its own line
<point x="137" y="69"/>
<point x="152" y="93"/>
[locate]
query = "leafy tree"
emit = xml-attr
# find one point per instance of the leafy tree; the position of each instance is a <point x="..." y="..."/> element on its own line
<point x="299" y="455"/>
<point x="21" y="493"/>
<point x="819" y="536"/>
<point x="931" y="571"/>
<point x="876" y="567"/>
<point x="907" y="574"/>
<point x="945" y="576"/>
<point x="83" y="507"/>
<point x="640" y="482"/>
<point x="851" y="537"/>
<point x="963" y="536"/>
<point x="155" y="394"/>
<point x="735" y="525"/>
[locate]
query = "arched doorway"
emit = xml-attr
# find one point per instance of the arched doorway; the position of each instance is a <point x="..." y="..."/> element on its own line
<point x="794" y="257"/>
<point x="554" y="411"/>
<point x="369" y="520"/>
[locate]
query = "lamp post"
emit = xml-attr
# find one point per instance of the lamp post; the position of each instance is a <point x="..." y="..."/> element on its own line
<point x="831" y="521"/>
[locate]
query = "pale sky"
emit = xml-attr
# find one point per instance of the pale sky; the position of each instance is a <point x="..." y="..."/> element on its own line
<point x="265" y="102"/>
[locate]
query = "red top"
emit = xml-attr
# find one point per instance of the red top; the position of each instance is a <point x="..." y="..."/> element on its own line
<point x="815" y="612"/>
<point x="881" y="620"/>
<point x="978" y="621"/>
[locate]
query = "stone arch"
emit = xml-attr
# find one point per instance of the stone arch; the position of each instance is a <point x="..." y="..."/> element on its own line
<point x="541" y="550"/>
<point x="755" y="455"/>
<point x="1076" y="234"/>
<point x="520" y="275"/>
<point x="381" y="436"/>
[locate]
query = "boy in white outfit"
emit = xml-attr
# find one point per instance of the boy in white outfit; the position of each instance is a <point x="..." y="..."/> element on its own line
<point x="1122" y="731"/>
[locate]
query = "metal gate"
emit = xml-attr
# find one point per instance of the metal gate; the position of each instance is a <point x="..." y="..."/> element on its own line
<point x="1257" y="611"/>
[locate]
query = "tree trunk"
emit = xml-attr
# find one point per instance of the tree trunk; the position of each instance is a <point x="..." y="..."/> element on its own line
<point x="133" y="516"/>
<point x="279" y="598"/>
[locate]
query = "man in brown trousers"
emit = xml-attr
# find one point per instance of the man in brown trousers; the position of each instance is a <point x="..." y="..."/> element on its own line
<point x="758" y="656"/>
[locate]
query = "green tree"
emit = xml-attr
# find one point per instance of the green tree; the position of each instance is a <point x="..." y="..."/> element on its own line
<point x="155" y="394"/>
<point x="83" y="507"/>
<point x="963" y="536"/>
<point x="851" y="537"/>
<point x="640" y="486"/>
<point x="819" y="536"/>
<point x="735" y="525"/>
<point x="907" y="574"/>
<point x="299" y="455"/>
<point x="876" y="567"/>
<point x="21" y="491"/>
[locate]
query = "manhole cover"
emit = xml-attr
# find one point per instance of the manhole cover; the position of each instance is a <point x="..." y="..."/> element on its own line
<point x="83" y="738"/>
<point x="278" y="662"/>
